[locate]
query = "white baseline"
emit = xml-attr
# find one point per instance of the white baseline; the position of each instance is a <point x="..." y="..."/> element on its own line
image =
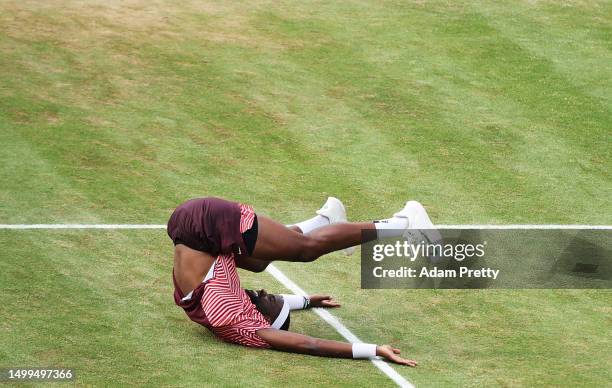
<point x="81" y="226"/>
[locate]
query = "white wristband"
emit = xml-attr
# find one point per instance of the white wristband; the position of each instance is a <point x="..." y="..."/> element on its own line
<point x="364" y="350"/>
<point x="296" y="302"/>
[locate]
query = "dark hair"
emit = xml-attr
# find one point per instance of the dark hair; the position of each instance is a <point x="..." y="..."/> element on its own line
<point x="254" y="296"/>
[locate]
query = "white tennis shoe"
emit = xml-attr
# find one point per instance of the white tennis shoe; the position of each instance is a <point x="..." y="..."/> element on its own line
<point x="335" y="212"/>
<point x="420" y="228"/>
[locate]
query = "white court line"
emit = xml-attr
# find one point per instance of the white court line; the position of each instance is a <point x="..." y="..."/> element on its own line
<point x="81" y="226"/>
<point x="525" y="226"/>
<point x="441" y="226"/>
<point x="340" y="328"/>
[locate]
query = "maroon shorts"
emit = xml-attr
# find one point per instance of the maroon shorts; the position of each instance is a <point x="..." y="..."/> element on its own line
<point x="211" y="225"/>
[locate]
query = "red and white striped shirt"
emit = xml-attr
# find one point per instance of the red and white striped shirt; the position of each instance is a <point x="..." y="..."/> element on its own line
<point x="231" y="315"/>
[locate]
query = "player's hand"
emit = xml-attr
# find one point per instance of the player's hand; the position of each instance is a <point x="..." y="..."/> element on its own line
<point x="392" y="354"/>
<point x="323" y="301"/>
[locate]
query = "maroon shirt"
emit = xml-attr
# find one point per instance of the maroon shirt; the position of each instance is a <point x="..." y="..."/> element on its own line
<point x="209" y="225"/>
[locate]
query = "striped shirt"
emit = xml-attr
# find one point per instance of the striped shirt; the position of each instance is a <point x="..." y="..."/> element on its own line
<point x="221" y="305"/>
<point x="232" y="316"/>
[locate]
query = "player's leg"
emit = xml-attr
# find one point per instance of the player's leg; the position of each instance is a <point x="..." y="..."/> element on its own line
<point x="259" y="265"/>
<point x="333" y="211"/>
<point x="275" y="241"/>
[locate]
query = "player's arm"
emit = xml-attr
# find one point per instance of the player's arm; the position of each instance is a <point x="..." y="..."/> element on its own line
<point x="299" y="302"/>
<point x="299" y="343"/>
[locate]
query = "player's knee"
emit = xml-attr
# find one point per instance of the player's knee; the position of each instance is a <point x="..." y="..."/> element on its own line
<point x="310" y="249"/>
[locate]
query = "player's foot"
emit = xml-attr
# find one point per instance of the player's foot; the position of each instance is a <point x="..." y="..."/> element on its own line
<point x="335" y="212"/>
<point x="420" y="228"/>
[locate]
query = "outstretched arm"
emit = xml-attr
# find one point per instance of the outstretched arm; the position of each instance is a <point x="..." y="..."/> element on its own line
<point x="299" y="302"/>
<point x="299" y="343"/>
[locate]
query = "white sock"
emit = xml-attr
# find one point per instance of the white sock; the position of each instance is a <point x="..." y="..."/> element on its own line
<point x="312" y="224"/>
<point x="391" y="227"/>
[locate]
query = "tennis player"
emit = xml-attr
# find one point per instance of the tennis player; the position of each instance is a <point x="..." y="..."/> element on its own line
<point x="213" y="236"/>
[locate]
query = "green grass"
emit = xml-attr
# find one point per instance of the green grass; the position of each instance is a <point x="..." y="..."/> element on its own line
<point x="115" y="112"/>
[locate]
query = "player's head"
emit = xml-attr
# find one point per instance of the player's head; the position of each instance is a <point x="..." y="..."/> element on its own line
<point x="273" y="307"/>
